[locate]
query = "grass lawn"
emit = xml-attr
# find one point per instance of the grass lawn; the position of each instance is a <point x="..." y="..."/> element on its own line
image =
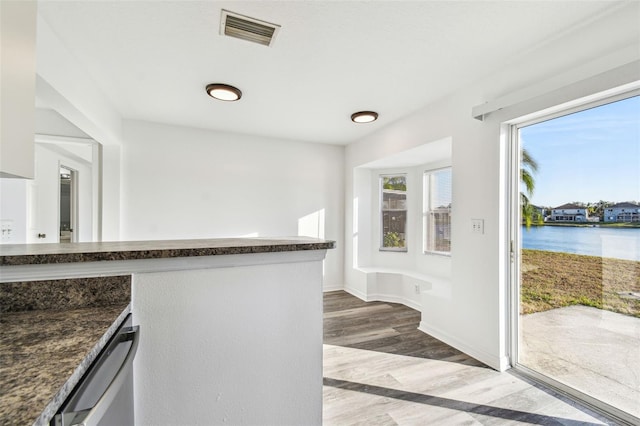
<point x="553" y="280"/>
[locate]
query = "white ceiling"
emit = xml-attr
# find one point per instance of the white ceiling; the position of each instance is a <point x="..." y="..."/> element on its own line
<point x="152" y="59"/>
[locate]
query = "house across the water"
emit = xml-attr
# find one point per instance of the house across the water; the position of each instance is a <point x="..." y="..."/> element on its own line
<point x="570" y="213"/>
<point x="622" y="212"/>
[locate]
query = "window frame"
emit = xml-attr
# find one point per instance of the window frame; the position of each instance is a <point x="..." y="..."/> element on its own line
<point x="426" y="210"/>
<point x="381" y="211"/>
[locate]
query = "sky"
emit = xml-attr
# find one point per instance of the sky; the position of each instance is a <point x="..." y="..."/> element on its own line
<point x="587" y="156"/>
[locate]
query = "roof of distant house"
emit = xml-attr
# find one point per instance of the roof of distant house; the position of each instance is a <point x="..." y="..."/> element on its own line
<point x="569" y="206"/>
<point x="625" y="205"/>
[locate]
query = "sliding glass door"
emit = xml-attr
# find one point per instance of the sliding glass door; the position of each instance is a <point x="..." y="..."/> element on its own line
<point x="577" y="253"/>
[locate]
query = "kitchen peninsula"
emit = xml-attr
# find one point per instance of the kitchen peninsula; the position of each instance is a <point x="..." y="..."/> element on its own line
<point x="230" y="329"/>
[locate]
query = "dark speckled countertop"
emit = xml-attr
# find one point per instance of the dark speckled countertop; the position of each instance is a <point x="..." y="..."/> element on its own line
<point x="31" y="254"/>
<point x="50" y="332"/>
<point x="39" y="353"/>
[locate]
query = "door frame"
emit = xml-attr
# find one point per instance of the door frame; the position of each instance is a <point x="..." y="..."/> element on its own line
<point x="514" y="219"/>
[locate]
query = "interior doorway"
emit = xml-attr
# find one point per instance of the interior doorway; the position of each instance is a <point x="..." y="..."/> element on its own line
<point x="65" y="196"/>
<point x="68" y="202"/>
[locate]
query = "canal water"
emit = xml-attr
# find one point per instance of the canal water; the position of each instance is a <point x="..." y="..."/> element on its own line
<point x="619" y="243"/>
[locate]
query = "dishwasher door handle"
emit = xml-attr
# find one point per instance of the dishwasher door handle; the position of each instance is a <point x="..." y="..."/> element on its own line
<point x="95" y="414"/>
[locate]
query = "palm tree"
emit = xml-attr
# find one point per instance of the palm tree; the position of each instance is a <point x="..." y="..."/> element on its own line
<point x="600" y="207"/>
<point x="528" y="167"/>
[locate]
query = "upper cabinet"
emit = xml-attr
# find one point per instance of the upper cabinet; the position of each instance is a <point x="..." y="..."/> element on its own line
<point x="17" y="87"/>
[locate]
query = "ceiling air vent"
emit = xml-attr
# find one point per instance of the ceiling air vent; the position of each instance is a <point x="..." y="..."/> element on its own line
<point x="246" y="28"/>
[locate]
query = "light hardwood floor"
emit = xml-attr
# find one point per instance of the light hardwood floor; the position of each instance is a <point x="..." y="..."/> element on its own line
<point x="380" y="370"/>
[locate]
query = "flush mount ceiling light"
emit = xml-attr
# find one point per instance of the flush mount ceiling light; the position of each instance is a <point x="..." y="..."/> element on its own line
<point x="223" y="92"/>
<point x="364" y="116"/>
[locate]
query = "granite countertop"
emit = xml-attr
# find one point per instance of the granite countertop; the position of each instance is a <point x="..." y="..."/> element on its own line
<point x="30" y="254"/>
<point x="50" y="333"/>
<point x="43" y="354"/>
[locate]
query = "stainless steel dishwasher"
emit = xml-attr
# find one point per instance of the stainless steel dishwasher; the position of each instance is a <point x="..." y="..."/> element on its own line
<point x="104" y="395"/>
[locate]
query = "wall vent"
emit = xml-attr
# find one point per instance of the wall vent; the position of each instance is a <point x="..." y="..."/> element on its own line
<point x="245" y="28"/>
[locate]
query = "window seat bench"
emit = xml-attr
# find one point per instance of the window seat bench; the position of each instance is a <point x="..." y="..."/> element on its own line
<point x="400" y="285"/>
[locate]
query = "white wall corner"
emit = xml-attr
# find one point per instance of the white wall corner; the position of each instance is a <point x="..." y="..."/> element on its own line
<point x="355" y="292"/>
<point x="394" y="298"/>
<point x="326" y="288"/>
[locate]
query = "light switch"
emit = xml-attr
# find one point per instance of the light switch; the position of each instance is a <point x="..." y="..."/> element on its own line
<point x="477" y="226"/>
<point x="7" y="230"/>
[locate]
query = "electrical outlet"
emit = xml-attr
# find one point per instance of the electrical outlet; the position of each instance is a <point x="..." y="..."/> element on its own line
<point x="477" y="226"/>
<point x="417" y="288"/>
<point x="7" y="230"/>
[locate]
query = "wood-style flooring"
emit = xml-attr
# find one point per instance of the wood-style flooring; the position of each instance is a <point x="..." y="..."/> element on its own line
<point x="380" y="370"/>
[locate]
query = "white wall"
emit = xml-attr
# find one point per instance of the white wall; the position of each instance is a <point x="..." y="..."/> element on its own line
<point x="14" y="197"/>
<point x="470" y="311"/>
<point x="111" y="184"/>
<point x="50" y="122"/>
<point x="188" y="183"/>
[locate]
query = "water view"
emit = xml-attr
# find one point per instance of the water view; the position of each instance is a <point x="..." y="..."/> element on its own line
<point x="579" y="306"/>
<point x="618" y="243"/>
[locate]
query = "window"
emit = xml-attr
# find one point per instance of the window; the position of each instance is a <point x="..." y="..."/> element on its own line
<point x="437" y="211"/>
<point x="393" y="193"/>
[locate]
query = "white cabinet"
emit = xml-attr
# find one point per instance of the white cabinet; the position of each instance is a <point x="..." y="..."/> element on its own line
<point x="237" y="345"/>
<point x="17" y="88"/>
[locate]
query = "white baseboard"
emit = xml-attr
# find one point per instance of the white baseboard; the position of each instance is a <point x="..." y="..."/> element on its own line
<point x="377" y="297"/>
<point x="497" y="363"/>
<point x="332" y="287"/>
<point x="360" y="295"/>
<point x="393" y="298"/>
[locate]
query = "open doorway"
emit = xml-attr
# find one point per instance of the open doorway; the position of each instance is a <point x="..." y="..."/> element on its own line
<point x="68" y="202"/>
<point x="64" y="202"/>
